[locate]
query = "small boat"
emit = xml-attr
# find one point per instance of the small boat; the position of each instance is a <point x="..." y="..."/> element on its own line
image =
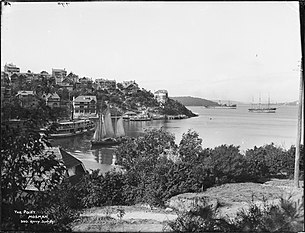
<point x="72" y="128"/>
<point x="105" y="134"/>
<point x="140" y="118"/>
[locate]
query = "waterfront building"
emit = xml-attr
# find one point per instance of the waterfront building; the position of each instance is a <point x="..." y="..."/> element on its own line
<point x="85" y="106"/>
<point x="27" y="99"/>
<point x="75" y="168"/>
<point x="11" y="68"/>
<point x="161" y="96"/>
<point x="59" y="75"/>
<point x="129" y="114"/>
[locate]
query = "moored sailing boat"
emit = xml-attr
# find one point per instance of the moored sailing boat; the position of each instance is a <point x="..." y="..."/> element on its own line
<point x="261" y="109"/>
<point x="105" y="134"/>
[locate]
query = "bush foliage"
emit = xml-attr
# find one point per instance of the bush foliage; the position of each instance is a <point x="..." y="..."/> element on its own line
<point x="155" y="169"/>
<point x="287" y="216"/>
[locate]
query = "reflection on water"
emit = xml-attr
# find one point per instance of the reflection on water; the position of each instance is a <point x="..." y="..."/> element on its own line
<point x="80" y="146"/>
<point x="215" y="126"/>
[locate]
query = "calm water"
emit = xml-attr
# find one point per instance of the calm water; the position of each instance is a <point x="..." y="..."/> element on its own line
<point x="215" y="126"/>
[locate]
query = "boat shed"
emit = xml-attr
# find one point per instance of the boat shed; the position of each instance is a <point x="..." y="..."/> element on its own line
<point x="75" y="167"/>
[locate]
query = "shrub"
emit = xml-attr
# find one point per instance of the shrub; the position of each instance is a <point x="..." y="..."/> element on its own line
<point x="257" y="167"/>
<point x="201" y="219"/>
<point x="285" y="217"/>
<point x="98" y="190"/>
<point x="227" y="164"/>
<point x="272" y="161"/>
<point x="190" y="148"/>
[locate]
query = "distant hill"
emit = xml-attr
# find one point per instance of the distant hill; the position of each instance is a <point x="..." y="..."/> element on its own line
<point x="194" y="101"/>
<point x="293" y="103"/>
<point x="230" y="102"/>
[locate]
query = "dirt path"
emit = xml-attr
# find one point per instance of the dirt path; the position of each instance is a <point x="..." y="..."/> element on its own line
<point x="135" y="218"/>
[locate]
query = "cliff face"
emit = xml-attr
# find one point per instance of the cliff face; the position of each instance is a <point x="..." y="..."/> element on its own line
<point x="173" y="107"/>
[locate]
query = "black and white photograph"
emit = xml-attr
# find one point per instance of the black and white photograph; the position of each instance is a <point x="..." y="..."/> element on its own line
<point x="152" y="116"/>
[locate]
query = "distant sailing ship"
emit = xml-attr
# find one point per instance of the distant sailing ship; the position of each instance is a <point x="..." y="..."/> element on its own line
<point x="261" y="109"/>
<point x="105" y="134"/>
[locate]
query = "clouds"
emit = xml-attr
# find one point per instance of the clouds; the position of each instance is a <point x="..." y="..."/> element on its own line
<point x="204" y="49"/>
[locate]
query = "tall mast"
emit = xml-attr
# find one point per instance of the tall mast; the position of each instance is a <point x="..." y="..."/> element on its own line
<point x="72" y="107"/>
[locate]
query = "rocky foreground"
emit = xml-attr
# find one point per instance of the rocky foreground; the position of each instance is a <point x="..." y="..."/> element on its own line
<point x="228" y="199"/>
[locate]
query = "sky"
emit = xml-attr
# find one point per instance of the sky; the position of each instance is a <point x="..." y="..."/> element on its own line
<point x="213" y="50"/>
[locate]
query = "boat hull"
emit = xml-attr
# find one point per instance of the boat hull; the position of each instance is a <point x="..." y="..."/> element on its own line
<point x="222" y="107"/>
<point x="65" y="135"/>
<point x="143" y="119"/>
<point x="72" y="128"/>
<point x="112" y="142"/>
<point x="262" y="110"/>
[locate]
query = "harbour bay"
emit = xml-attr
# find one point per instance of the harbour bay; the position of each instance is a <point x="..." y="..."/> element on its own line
<point x="215" y="126"/>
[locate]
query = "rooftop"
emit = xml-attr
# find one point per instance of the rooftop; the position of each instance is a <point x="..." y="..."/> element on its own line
<point x="25" y="93"/>
<point x="85" y="98"/>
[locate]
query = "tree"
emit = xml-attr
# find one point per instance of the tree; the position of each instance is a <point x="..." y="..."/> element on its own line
<point x="140" y="157"/>
<point x="227" y="164"/>
<point x="24" y="162"/>
<point x="145" y="151"/>
<point x="190" y="147"/>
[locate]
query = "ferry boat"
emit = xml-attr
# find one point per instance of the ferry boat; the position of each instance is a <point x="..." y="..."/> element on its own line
<point x="72" y="128"/>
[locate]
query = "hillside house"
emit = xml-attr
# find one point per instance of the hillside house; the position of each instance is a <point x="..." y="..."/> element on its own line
<point x="11" y="68"/>
<point x="27" y="99"/>
<point x="105" y="84"/>
<point x="52" y="100"/>
<point x="59" y="75"/>
<point x="85" y="106"/>
<point x="161" y="96"/>
<point x="73" y="77"/>
<point x="130" y="84"/>
<point x="45" y="74"/>
<point x="5" y="80"/>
